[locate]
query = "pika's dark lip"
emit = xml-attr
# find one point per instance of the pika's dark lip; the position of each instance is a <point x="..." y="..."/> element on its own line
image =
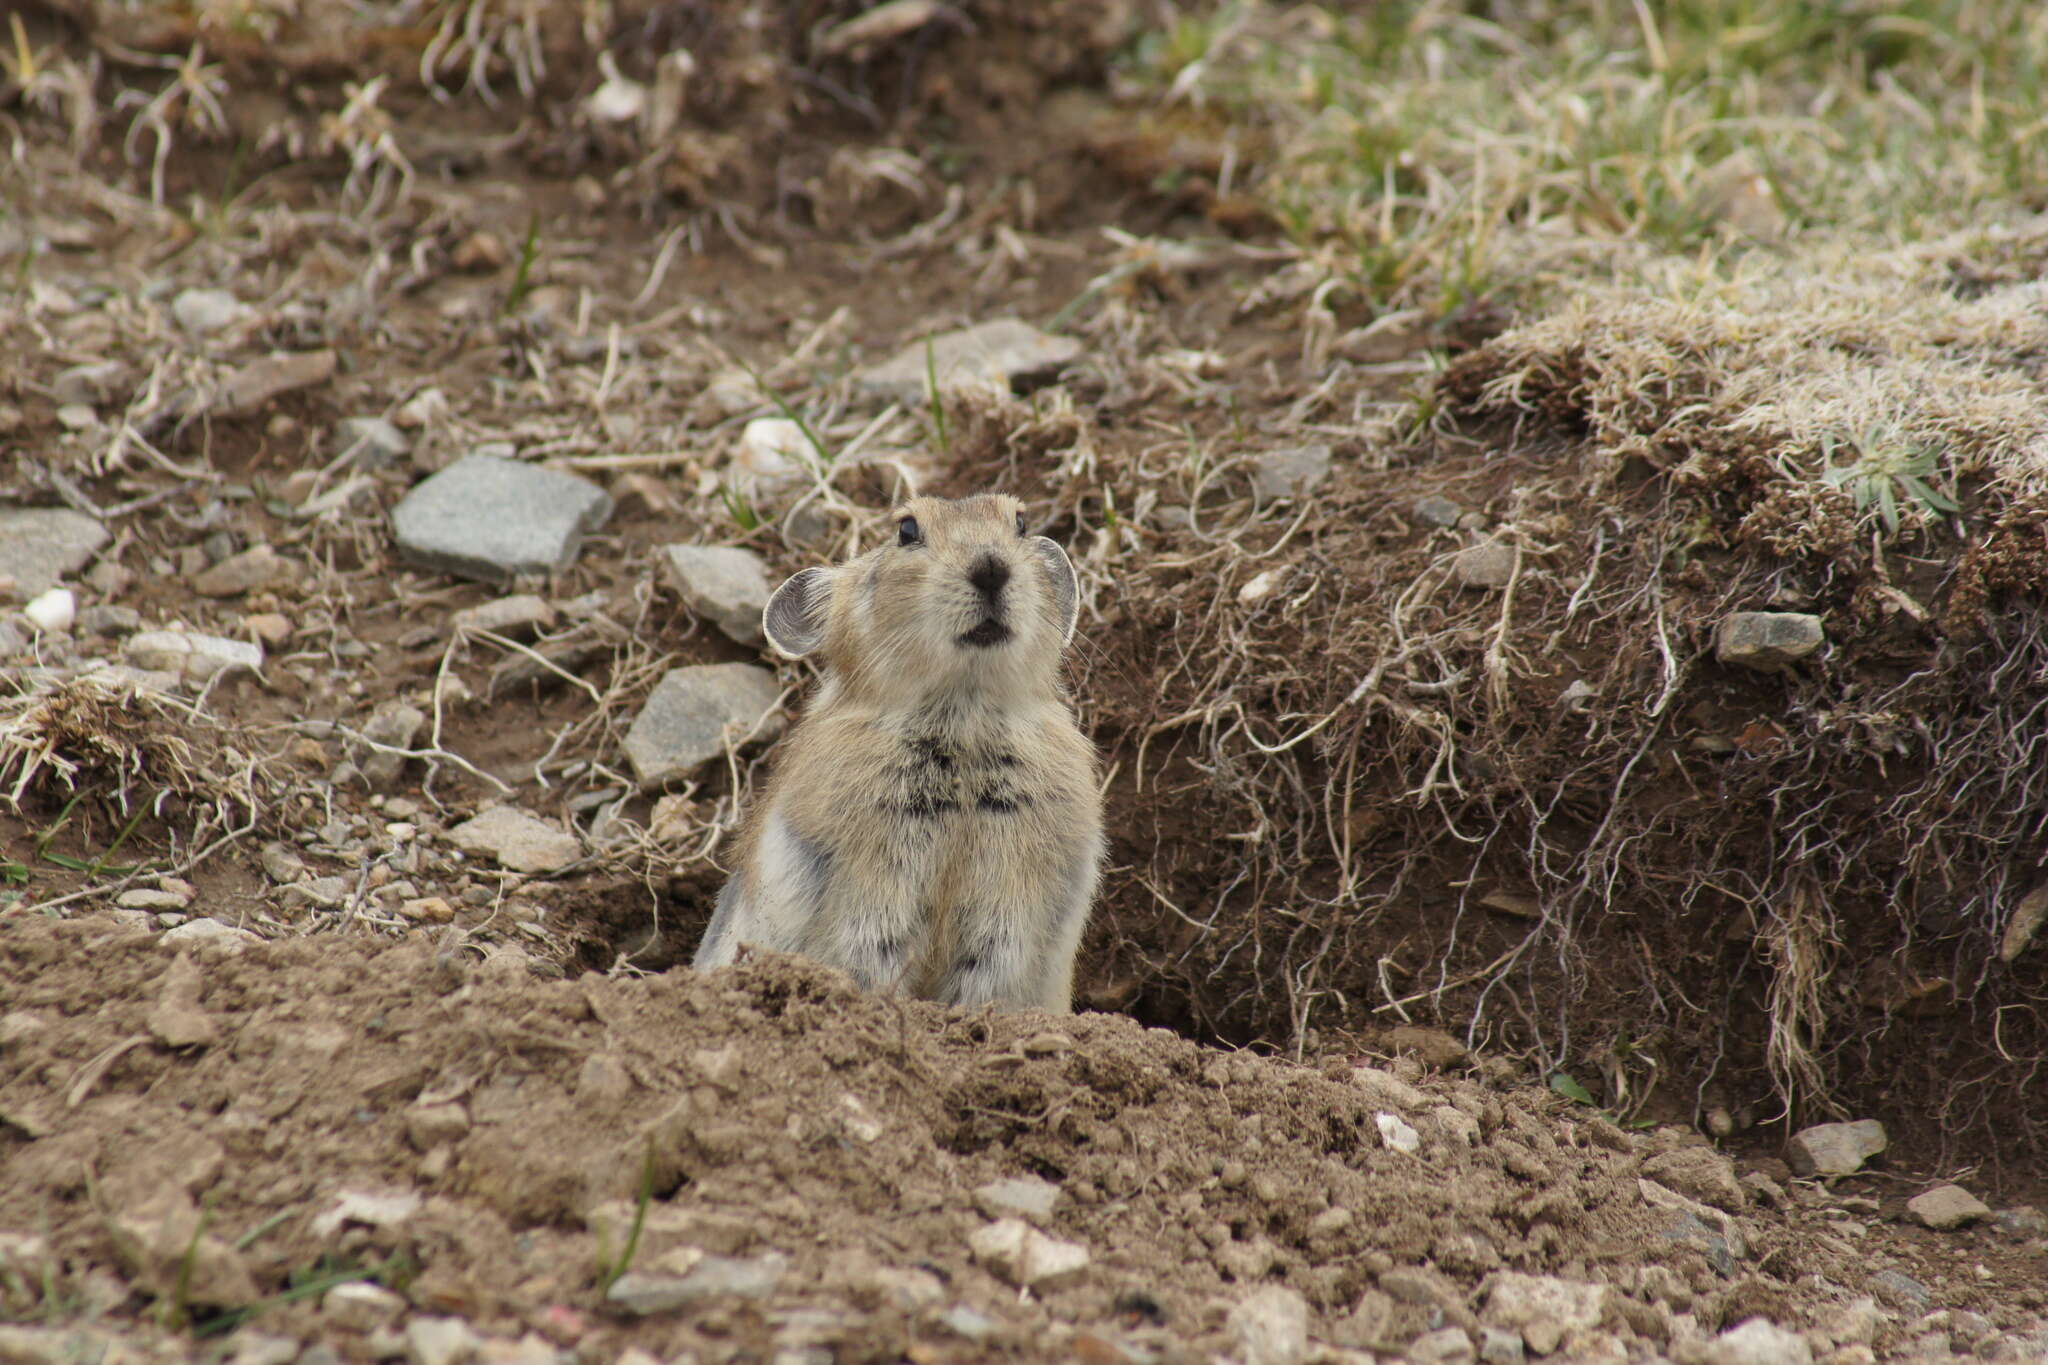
<point x="989" y="633"/>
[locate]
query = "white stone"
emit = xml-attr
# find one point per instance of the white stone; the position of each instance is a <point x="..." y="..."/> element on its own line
<point x="774" y="458"/>
<point x="192" y="656"/>
<point x="206" y="311"/>
<point x="360" y="1306"/>
<point x="1758" y="1341"/>
<point x="1026" y="1257"/>
<point x="1023" y="1196"/>
<point x="440" y="1341"/>
<point x="225" y="937"/>
<point x="1269" y="1326"/>
<point x="372" y="1208"/>
<point x="1002" y="352"/>
<point x="1543" y="1307"/>
<point x="1397" y="1133"/>
<point x="54" y="610"/>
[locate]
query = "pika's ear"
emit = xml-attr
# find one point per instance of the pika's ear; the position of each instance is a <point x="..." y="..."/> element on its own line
<point x="795" y="618"/>
<point x="1059" y="577"/>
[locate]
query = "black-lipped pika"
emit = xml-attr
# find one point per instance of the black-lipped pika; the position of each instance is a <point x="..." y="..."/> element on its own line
<point x="934" y="824"/>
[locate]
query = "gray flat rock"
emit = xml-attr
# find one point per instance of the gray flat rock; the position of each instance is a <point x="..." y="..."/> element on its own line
<point x="726" y="586"/>
<point x="492" y="519"/>
<point x="1289" y="473"/>
<point x="1004" y="351"/>
<point x="686" y="719"/>
<point x="1835" y="1148"/>
<point x="517" y="839"/>
<point x="40" y="545"/>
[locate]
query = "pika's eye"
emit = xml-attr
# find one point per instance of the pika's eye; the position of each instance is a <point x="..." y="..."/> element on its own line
<point x="907" y="532"/>
<point x="1020" y="525"/>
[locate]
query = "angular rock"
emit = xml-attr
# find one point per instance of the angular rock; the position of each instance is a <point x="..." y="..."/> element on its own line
<point x="429" y="1125"/>
<point x="96" y="382"/>
<point x="520" y="614"/>
<point x="255" y="384"/>
<point x="39" y="546"/>
<point x="1014" y="1250"/>
<point x="1270" y="1326"/>
<point x="1501" y="1346"/>
<point x="1701" y="1173"/>
<point x="396" y="725"/>
<point x="176" y="1020"/>
<point x="370" y="442"/>
<point x="1398" y="1133"/>
<point x="203" y="312"/>
<point x="666" y="1228"/>
<point x="644" y="1293"/>
<point x="1436" y="510"/>
<point x="725" y="585"/>
<point x="1901" y="1290"/>
<point x="166" y="1246"/>
<point x="1445" y="1346"/>
<point x="210" y="933"/>
<point x="1025" y="1196"/>
<point x="361" y="1306"/>
<point x="192" y="656"/>
<point x="109" y="620"/>
<point x="1289" y="473"/>
<point x="1005" y="352"/>
<point x="1724" y="1229"/>
<point x="1835" y="1148"/>
<point x="492" y="519"/>
<point x="440" y="1341"/>
<point x="1946" y="1207"/>
<point x="2021" y="1220"/>
<point x="518" y="840"/>
<point x="1488" y="564"/>
<point x="1767" y="640"/>
<point x="388" y="1209"/>
<point x="255" y="568"/>
<point x="1758" y="1341"/>
<point x="1389" y="1091"/>
<point x="1543" y="1307"/>
<point x="2027" y="918"/>
<point x="774" y="458"/>
<point x="690" y="713"/>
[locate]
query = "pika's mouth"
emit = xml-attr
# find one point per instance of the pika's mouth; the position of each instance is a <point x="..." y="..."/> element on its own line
<point x="989" y="633"/>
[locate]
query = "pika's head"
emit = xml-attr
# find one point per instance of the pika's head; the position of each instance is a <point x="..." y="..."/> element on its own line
<point x="961" y="595"/>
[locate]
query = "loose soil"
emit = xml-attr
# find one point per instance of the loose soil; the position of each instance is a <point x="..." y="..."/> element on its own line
<point x="1285" y="952"/>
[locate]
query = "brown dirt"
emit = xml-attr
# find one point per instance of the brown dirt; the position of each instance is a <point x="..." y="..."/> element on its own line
<point x="1305" y="908"/>
<point x="1190" y="1174"/>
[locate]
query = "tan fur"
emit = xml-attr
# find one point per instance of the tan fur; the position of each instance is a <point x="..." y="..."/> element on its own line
<point x="933" y="826"/>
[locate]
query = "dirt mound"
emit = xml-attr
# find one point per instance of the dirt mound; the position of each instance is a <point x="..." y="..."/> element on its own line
<point x="477" y="1139"/>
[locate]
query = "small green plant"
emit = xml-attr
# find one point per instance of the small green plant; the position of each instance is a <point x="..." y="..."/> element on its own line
<point x="938" y="405"/>
<point x="608" y="1269"/>
<point x="737" y="506"/>
<point x="1885" y="469"/>
<point x="529" y="252"/>
<point x="310" y="1282"/>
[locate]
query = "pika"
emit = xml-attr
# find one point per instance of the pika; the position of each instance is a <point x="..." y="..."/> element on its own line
<point x="934" y="823"/>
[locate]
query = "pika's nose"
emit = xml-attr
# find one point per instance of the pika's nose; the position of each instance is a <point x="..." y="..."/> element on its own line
<point x="988" y="576"/>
